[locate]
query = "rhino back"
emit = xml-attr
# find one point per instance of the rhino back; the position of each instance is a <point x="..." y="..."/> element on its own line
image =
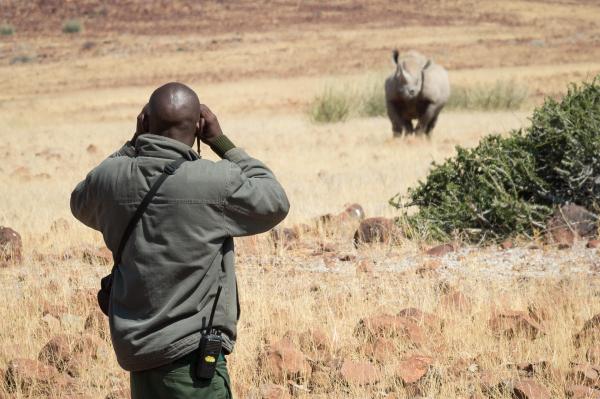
<point x="436" y="85"/>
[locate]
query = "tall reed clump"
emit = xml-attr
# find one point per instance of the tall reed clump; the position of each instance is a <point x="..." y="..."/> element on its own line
<point x="509" y="185"/>
<point x="501" y="95"/>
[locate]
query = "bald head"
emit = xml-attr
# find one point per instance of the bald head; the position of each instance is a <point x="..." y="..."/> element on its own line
<point x="174" y="112"/>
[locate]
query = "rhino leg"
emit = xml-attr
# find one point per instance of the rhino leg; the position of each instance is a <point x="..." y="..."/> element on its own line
<point x="398" y="124"/>
<point x="428" y="120"/>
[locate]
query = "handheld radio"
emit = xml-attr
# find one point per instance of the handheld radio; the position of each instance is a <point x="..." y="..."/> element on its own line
<point x="210" y="346"/>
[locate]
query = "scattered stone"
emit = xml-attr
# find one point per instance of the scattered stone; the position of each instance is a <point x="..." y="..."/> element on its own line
<point x="355" y="211"/>
<point x="347" y="258"/>
<point x="97" y="323"/>
<point x="515" y="323"/>
<point x="593" y="355"/>
<point x="50" y="323"/>
<point x="359" y="373"/>
<point x="101" y="255"/>
<point x="506" y="244"/>
<point x="582" y="392"/>
<point x="374" y="230"/>
<point x="530" y="389"/>
<point x="456" y="301"/>
<point x="11" y="247"/>
<point x="589" y="332"/>
<point x="72" y="322"/>
<point x="413" y="369"/>
<point x="382" y="350"/>
<point x="441" y="250"/>
<point x="385" y="325"/>
<point x="585" y="374"/>
<point x="593" y="244"/>
<point x="315" y="339"/>
<point x="272" y="391"/>
<point x="70" y="354"/>
<point x="35" y="378"/>
<point x="284" y="361"/>
<point x="92" y="149"/>
<point x="573" y="218"/>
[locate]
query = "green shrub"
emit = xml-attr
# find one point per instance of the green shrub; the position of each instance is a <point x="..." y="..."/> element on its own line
<point x="372" y="100"/>
<point x="498" y="96"/>
<point x="6" y="30"/>
<point x="333" y="105"/>
<point x="72" y="26"/>
<point x="508" y="186"/>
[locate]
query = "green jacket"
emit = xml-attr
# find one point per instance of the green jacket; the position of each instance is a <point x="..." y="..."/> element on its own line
<point x="182" y="249"/>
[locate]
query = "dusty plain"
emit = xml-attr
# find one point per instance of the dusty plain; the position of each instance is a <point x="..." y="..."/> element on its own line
<point x="67" y="101"/>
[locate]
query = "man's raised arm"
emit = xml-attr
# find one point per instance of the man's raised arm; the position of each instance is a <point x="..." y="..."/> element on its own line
<point x="255" y="201"/>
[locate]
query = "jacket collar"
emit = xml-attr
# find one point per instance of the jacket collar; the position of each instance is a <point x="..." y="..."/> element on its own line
<point x="155" y="146"/>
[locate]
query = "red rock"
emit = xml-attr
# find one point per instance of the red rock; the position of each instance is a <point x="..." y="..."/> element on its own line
<point x="374" y="230"/>
<point x="11" y="247"/>
<point x="455" y="300"/>
<point x="506" y="244"/>
<point x="515" y="323"/>
<point x="593" y="244"/>
<point x="69" y="353"/>
<point x="413" y="369"/>
<point x="382" y="350"/>
<point x="355" y="211"/>
<point x="582" y="392"/>
<point x="530" y="389"/>
<point x="101" y="255"/>
<point x="34" y="377"/>
<point x="97" y="323"/>
<point x="385" y="325"/>
<point x="284" y="361"/>
<point x="272" y="391"/>
<point x="593" y="355"/>
<point x="585" y="374"/>
<point x="441" y="250"/>
<point x="590" y="331"/>
<point x="359" y="373"/>
<point x="573" y="218"/>
<point x="316" y="343"/>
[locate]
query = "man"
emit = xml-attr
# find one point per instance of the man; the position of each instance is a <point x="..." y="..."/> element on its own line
<point x="182" y="248"/>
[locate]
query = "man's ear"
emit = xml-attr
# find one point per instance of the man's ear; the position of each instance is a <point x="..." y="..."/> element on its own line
<point x="145" y="123"/>
<point x="395" y="55"/>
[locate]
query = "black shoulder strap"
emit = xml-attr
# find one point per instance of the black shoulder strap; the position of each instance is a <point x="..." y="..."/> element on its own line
<point x="169" y="170"/>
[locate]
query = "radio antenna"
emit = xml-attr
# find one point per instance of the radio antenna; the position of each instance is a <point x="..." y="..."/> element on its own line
<point x="214" y="308"/>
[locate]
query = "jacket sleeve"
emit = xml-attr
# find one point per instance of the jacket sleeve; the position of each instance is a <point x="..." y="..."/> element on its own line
<point x="255" y="201"/>
<point x="85" y="198"/>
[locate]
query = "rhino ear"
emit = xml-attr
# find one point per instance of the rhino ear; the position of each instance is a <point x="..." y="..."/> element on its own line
<point x="395" y="55"/>
<point x="427" y="64"/>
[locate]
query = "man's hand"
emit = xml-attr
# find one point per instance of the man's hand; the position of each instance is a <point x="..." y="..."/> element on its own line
<point x="142" y="123"/>
<point x="208" y="128"/>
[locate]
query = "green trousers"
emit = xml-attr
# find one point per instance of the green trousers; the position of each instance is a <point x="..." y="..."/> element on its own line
<point x="177" y="381"/>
